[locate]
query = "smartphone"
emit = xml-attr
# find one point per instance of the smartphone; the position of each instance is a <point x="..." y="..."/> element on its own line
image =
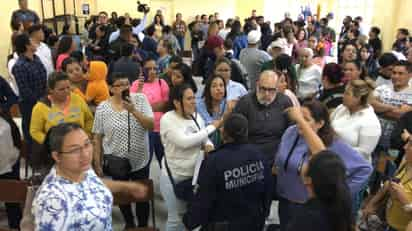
<point x="125" y="95"/>
<point x="145" y="75"/>
<point x="396" y="180"/>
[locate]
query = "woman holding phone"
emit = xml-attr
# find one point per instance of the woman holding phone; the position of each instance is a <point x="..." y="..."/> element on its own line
<point x="120" y="131"/>
<point x="157" y="93"/>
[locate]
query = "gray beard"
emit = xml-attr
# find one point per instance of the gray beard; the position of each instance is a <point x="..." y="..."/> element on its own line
<point x="264" y="103"/>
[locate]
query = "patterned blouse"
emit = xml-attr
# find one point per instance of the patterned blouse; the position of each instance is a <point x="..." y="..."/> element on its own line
<point x="60" y="204"/>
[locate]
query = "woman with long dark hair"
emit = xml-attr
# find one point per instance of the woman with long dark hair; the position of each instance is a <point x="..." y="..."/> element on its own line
<point x="353" y="70"/>
<point x="66" y="45"/>
<point x="329" y="206"/>
<point x="312" y="134"/>
<point x="158" y="24"/>
<point x="367" y="60"/>
<point x="184" y="135"/>
<point x="99" y="46"/>
<point x="181" y="74"/>
<point x="213" y="104"/>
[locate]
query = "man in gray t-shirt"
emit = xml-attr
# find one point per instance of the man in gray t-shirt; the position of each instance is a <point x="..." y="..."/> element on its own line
<point x="252" y="58"/>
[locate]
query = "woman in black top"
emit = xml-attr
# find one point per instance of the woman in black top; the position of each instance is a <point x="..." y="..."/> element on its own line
<point x="333" y="88"/>
<point x="98" y="47"/>
<point x="329" y="208"/>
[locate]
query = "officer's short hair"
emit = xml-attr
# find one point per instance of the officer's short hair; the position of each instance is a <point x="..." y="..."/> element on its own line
<point x="236" y="127"/>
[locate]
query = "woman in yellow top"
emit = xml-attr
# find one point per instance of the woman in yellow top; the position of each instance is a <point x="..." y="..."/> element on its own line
<point x="60" y="106"/>
<point x="399" y="205"/>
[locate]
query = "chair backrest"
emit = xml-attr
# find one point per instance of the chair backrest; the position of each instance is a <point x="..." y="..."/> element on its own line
<point x="122" y="198"/>
<point x="13" y="191"/>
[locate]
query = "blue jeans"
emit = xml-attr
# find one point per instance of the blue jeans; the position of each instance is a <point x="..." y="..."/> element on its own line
<point x="156" y="147"/>
<point x="181" y="40"/>
<point x="176" y="208"/>
<point x="287" y="210"/>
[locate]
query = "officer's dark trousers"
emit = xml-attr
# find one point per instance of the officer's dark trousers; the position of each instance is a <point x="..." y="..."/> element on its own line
<point x="256" y="224"/>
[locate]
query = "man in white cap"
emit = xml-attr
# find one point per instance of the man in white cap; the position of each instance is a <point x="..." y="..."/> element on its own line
<point x="252" y="58"/>
<point x="274" y="49"/>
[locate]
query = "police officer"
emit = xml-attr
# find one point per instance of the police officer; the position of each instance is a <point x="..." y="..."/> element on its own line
<point x="234" y="184"/>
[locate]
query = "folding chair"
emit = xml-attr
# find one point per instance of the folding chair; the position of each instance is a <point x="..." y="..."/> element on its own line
<point x="13" y="191"/>
<point x="121" y="199"/>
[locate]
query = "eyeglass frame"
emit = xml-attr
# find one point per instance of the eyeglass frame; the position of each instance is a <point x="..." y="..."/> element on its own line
<point x="79" y="150"/>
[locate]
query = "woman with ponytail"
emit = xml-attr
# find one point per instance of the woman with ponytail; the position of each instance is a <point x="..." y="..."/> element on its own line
<point x="312" y="134"/>
<point x="329" y="206"/>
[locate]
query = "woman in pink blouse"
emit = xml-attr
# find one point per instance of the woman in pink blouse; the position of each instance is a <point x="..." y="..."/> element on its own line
<point x="65" y="47"/>
<point x="157" y="93"/>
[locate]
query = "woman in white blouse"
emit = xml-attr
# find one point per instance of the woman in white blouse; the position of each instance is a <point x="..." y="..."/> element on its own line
<point x="121" y="134"/>
<point x="355" y="120"/>
<point x="184" y="135"/>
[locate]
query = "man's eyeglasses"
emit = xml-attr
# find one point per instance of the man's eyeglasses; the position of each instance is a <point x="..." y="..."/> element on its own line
<point x="77" y="151"/>
<point x="267" y="89"/>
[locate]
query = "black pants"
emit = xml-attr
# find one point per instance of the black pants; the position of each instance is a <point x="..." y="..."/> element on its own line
<point x="286" y="211"/>
<point x="13" y="210"/>
<point x="156" y="147"/>
<point x="250" y="224"/>
<point x="142" y="208"/>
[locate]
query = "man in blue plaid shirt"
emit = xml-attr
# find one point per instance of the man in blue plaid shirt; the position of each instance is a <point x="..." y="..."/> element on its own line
<point x="31" y="79"/>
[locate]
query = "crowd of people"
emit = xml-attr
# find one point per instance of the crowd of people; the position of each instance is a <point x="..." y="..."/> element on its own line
<point x="291" y="112"/>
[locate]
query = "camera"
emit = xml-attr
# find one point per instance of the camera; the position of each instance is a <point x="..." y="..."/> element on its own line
<point x="142" y="7"/>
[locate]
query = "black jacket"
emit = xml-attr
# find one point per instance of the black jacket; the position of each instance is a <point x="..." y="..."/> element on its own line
<point x="312" y="217"/>
<point x="234" y="186"/>
<point x="115" y="48"/>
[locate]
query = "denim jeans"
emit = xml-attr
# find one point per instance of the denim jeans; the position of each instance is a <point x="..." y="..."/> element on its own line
<point x="176" y="208"/>
<point x="181" y="40"/>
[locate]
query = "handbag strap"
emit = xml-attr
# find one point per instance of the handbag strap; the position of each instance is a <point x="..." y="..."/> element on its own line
<point x="194" y="119"/>
<point x="285" y="166"/>
<point x="128" y="132"/>
<point x="169" y="173"/>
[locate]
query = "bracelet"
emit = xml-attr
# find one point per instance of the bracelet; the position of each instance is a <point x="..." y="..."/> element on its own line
<point x="408" y="207"/>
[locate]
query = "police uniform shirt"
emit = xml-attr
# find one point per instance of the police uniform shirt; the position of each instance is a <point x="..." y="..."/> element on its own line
<point x="234" y="185"/>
